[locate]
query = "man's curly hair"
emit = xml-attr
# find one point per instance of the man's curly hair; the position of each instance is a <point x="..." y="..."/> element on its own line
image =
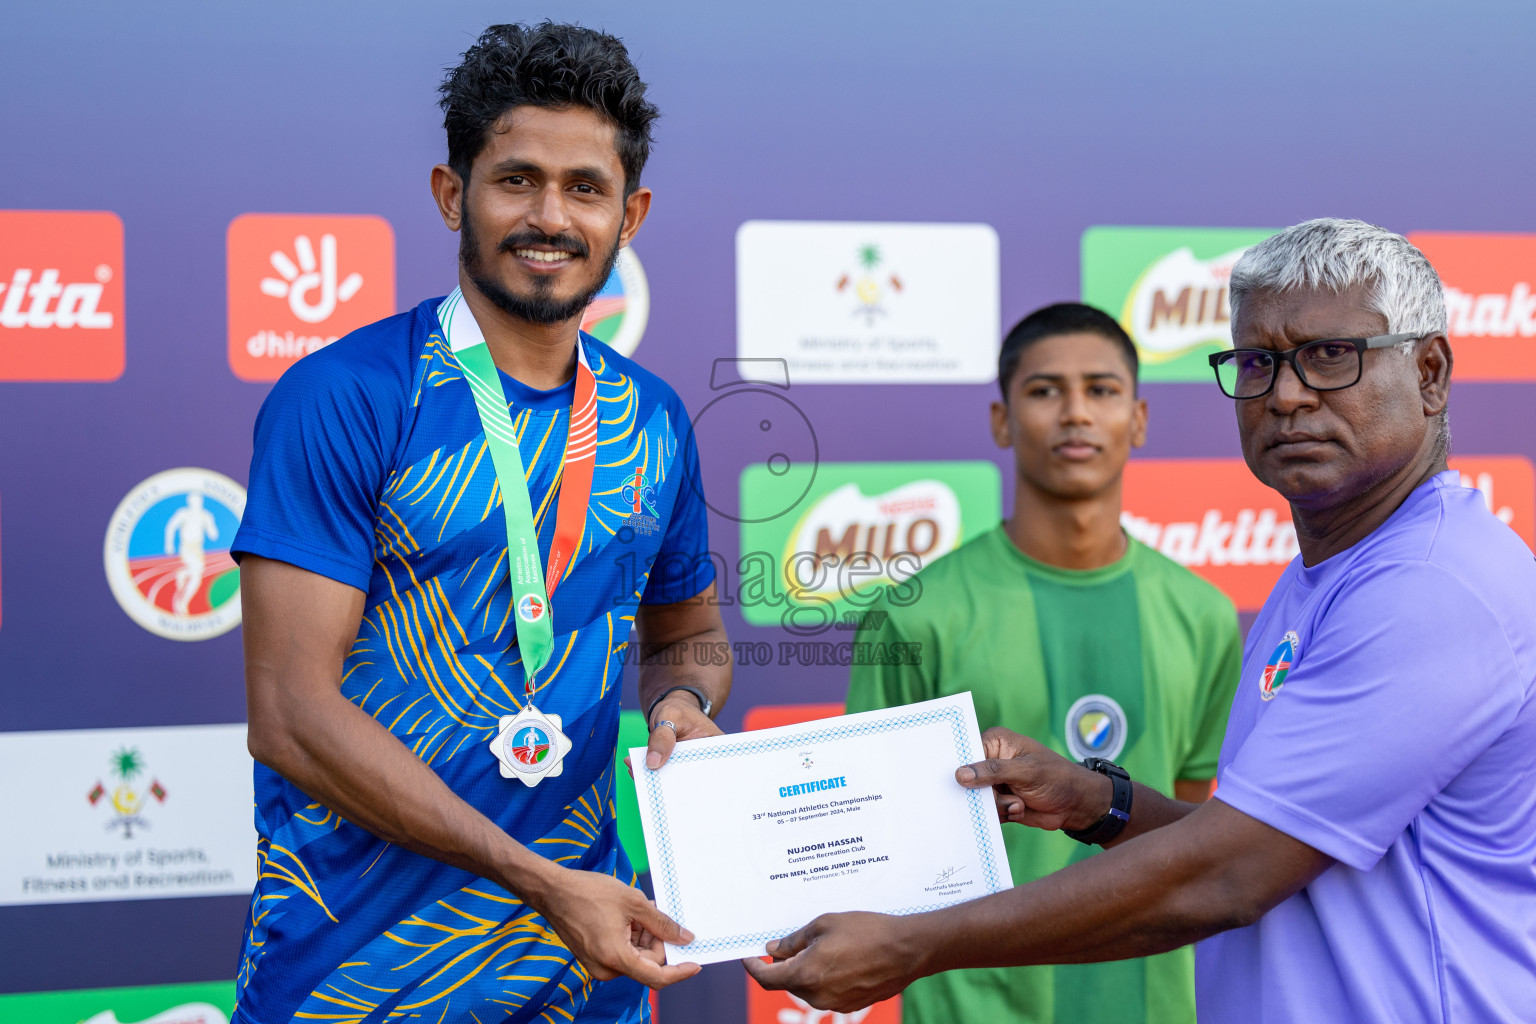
<point x="550" y="65"/>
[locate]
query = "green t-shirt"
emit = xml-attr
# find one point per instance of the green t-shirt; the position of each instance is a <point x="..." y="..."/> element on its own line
<point x="1142" y="656"/>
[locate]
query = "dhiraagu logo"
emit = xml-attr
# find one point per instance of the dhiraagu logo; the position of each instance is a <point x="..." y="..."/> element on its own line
<point x="1168" y="287"/>
<point x="860" y="526"/>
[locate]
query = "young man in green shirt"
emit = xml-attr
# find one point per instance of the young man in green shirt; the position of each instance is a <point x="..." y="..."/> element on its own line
<point x="1065" y="629"/>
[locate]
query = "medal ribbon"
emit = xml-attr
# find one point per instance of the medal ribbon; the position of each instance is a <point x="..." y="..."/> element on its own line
<point x="531" y="585"/>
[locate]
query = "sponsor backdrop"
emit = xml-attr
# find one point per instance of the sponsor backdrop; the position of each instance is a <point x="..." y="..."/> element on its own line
<point x="852" y="203"/>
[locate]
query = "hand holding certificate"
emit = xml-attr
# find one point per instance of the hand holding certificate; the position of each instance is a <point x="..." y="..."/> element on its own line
<point x="751" y="835"/>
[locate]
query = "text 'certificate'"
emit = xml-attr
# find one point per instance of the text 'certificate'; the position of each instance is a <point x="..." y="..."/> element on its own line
<point x="752" y="835"/>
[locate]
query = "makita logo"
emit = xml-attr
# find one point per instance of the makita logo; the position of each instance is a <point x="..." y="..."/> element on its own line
<point x="1251" y="538"/>
<point x="61" y="295"/>
<point x="50" y="303"/>
<point x="1491" y="315"/>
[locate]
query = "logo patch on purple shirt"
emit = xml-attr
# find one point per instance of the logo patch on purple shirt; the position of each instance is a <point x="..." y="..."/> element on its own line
<point x="1279" y="666"/>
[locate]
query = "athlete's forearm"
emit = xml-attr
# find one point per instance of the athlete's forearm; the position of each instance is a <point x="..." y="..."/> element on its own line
<point x="344" y="759"/>
<point x="1150" y="810"/>
<point x="691" y="661"/>
<point x="298" y="629"/>
<point x="684" y="644"/>
<point x="1167" y="890"/>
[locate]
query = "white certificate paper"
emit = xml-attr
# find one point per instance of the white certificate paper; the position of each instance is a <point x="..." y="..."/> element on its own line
<point x="752" y="835"/>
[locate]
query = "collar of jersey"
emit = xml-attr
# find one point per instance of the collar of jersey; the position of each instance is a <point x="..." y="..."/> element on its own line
<point x="1072" y="577"/>
<point x="461" y="331"/>
<point x="1311" y="576"/>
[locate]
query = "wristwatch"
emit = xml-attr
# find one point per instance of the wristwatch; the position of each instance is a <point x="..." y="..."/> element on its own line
<point x="705" y="704"/>
<point x="1114" y="821"/>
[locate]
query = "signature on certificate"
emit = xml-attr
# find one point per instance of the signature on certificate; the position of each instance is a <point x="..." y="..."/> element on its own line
<point x="947" y="874"/>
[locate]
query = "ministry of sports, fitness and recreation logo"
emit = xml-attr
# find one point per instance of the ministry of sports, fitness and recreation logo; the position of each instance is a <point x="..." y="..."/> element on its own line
<point x="1279" y="666"/>
<point x="530" y="608"/>
<point x="1095" y="727"/>
<point x="870" y="284"/>
<point x="167" y="554"/>
<point x="125" y="797"/>
<point x="530" y="746"/>
<point x="618" y="312"/>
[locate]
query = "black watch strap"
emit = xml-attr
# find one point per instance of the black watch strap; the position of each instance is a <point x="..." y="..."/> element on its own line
<point x="1119" y="814"/>
<point x="705" y="704"/>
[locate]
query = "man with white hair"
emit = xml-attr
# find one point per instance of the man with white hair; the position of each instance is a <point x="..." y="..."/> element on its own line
<point x="1370" y="854"/>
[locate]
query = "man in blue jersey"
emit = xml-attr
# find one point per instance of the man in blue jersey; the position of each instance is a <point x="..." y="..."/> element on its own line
<point x="1370" y="852"/>
<point x="452" y="521"/>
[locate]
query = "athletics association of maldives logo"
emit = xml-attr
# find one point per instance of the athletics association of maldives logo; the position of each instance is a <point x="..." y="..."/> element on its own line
<point x="1096" y="727"/>
<point x="530" y="608"/>
<point x="618" y="312"/>
<point x="530" y="745"/>
<point x="1279" y="666"/>
<point x="125" y="798"/>
<point x="167" y="554"/>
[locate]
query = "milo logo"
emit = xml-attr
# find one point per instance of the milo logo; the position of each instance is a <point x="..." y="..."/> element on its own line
<point x="1170" y="290"/>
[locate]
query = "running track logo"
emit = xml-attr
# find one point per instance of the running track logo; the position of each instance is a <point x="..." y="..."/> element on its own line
<point x="618" y="312"/>
<point x="1279" y="666"/>
<point x="298" y="283"/>
<point x="530" y="608"/>
<point x="531" y="746"/>
<point x="61" y="295"/>
<point x="167" y="554"/>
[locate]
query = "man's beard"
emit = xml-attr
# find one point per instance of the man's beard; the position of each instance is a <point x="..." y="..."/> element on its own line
<point x="540" y="307"/>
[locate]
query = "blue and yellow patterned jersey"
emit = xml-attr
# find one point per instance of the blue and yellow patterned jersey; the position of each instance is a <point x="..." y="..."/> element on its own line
<point x="371" y="468"/>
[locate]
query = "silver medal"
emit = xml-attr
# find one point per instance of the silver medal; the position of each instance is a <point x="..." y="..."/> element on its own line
<point x="530" y="746"/>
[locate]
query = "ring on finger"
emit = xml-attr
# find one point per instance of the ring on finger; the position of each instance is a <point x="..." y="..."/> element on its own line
<point x="668" y="724"/>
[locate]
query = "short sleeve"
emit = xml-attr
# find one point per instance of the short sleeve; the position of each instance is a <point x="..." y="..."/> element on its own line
<point x="1214" y="704"/>
<point x="883" y="682"/>
<point x="324" y="438"/>
<point x="1407" y="678"/>
<point x="683" y="567"/>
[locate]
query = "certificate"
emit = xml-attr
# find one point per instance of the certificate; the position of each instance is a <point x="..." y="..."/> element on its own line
<point x="752" y="835"/>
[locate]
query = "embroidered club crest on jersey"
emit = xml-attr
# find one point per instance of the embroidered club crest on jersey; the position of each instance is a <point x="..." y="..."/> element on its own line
<point x="639" y="498"/>
<point x="1279" y="666"/>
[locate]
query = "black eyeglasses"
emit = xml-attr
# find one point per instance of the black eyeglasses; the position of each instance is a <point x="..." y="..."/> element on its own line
<point x="1328" y="364"/>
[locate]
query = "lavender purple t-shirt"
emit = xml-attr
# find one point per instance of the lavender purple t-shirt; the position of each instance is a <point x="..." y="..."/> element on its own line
<point x="1397" y="734"/>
